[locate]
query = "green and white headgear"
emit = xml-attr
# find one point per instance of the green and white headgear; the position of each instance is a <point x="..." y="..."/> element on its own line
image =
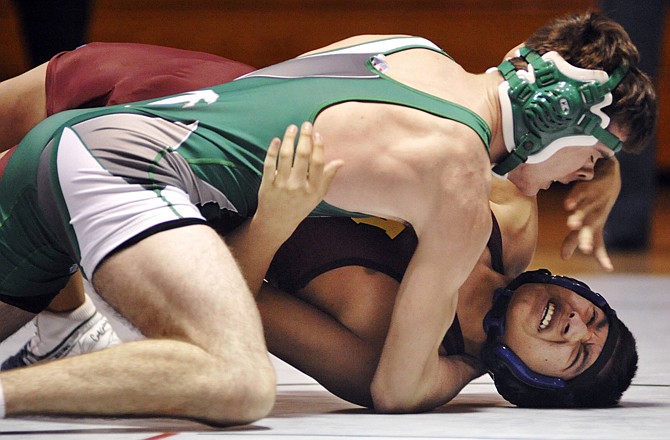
<point x="551" y="106"/>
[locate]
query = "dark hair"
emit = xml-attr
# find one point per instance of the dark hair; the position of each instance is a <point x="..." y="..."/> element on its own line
<point x="593" y="41"/>
<point x="605" y="390"/>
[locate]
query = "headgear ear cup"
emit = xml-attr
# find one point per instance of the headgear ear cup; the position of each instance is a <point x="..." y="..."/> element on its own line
<point x="553" y="110"/>
<point x="516" y="366"/>
<point x="552" y="106"/>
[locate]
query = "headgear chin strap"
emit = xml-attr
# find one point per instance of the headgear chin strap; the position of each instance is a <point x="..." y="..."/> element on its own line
<point x="551" y="106"/>
<point x="494" y="326"/>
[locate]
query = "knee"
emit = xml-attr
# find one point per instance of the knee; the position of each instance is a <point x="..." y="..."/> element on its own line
<point x="241" y="397"/>
<point x="257" y="395"/>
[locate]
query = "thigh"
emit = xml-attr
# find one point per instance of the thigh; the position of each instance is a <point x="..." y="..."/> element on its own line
<point x="183" y="284"/>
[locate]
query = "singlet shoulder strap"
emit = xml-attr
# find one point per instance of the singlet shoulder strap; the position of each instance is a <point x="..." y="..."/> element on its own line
<point x="453" y="340"/>
<point x="385" y="46"/>
<point x="495" y="246"/>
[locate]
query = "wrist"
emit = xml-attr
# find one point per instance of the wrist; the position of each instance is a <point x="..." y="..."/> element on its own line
<point x="267" y="229"/>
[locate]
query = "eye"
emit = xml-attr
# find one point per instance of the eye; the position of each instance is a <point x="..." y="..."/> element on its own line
<point x="593" y="317"/>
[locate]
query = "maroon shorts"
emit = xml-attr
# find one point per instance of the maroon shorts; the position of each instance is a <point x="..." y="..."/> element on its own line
<point x="102" y="74"/>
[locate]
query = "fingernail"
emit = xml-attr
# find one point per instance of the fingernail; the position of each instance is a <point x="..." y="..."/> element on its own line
<point x="306" y="125"/>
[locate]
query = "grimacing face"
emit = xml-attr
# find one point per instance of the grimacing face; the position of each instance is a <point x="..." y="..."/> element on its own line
<point x="554" y="331"/>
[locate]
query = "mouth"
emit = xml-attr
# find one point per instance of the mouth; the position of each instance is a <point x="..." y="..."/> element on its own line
<point x="548" y="313"/>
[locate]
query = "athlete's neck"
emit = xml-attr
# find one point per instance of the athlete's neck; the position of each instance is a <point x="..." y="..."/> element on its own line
<point x="497" y="149"/>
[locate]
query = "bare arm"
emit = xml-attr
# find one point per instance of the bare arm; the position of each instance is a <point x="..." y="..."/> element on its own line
<point x="12" y="319"/>
<point x="411" y="375"/>
<point x="317" y="344"/>
<point x="289" y="191"/>
<point x="343" y="318"/>
<point x="22" y="105"/>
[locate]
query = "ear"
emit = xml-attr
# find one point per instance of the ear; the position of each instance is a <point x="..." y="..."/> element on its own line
<point x="513" y="52"/>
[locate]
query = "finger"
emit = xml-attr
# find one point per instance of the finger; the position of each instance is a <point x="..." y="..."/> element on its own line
<point x="316" y="167"/>
<point x="573" y="199"/>
<point x="586" y="240"/>
<point x="321" y="175"/>
<point x="270" y="163"/>
<point x="569" y="245"/>
<point x="303" y="154"/>
<point x="576" y="220"/>
<point x="285" y="162"/>
<point x="603" y="258"/>
<point x="329" y="172"/>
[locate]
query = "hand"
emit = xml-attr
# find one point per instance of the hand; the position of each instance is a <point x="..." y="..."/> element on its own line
<point x="292" y="187"/>
<point x="589" y="205"/>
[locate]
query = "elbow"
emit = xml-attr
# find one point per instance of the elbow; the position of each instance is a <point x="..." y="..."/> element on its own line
<point x="389" y="401"/>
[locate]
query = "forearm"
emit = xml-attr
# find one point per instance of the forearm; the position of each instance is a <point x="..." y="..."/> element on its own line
<point x="12" y="319"/>
<point x="452" y="374"/>
<point x="320" y="345"/>
<point x="254" y="245"/>
<point x="411" y="376"/>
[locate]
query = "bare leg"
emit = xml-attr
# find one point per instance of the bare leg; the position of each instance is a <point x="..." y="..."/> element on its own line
<point x="70" y="326"/>
<point x="204" y="359"/>
<point x="71" y="297"/>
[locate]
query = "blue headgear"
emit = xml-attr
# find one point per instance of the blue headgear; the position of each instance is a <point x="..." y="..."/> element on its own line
<point x="494" y="326"/>
<point x="551" y="106"/>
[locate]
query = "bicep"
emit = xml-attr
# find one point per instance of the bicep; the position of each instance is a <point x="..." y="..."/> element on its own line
<point x="315" y="343"/>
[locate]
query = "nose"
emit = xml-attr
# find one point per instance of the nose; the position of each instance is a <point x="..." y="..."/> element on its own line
<point x="575" y="329"/>
<point x="586" y="172"/>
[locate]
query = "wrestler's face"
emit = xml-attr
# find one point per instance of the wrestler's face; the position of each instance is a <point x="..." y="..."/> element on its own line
<point x="554" y="331"/>
<point x="566" y="165"/>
